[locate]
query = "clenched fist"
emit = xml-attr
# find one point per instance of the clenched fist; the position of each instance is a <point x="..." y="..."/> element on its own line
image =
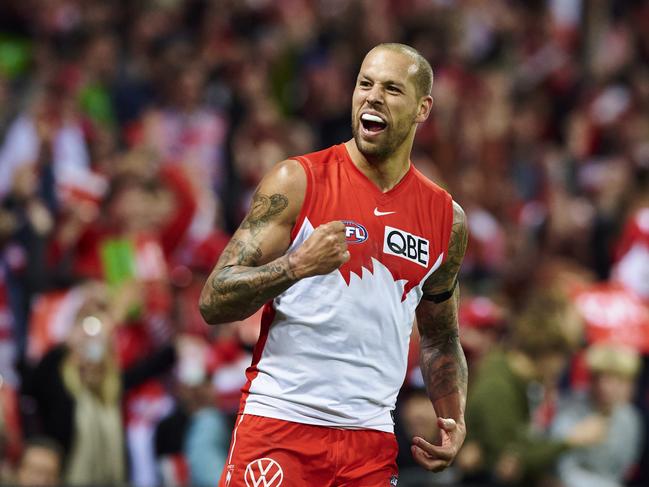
<point x="323" y="252"/>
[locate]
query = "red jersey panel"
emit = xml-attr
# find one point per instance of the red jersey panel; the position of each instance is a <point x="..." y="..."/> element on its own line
<point x="333" y="348"/>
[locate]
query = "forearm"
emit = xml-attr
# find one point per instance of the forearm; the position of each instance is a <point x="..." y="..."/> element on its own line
<point x="442" y="360"/>
<point x="444" y="369"/>
<point x="233" y="293"/>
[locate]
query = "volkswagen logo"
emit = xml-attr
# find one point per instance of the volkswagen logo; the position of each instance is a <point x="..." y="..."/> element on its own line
<point x="264" y="472"/>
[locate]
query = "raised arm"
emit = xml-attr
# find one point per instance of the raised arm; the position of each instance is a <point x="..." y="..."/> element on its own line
<point x="254" y="267"/>
<point x="442" y="360"/>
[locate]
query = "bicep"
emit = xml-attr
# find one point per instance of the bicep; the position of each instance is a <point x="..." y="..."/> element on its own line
<point x="264" y="234"/>
<point x="438" y="320"/>
<point x="438" y="308"/>
<point x="443" y="279"/>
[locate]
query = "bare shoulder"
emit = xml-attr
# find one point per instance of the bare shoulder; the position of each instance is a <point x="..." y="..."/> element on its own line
<point x="459" y="218"/>
<point x="458" y="239"/>
<point x="288" y="173"/>
<point x="264" y="233"/>
<point x="444" y="278"/>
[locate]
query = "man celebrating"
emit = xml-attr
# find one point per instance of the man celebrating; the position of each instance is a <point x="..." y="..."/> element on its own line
<point x="344" y="246"/>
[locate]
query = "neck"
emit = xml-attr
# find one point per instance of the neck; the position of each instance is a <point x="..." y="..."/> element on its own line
<point x="384" y="173"/>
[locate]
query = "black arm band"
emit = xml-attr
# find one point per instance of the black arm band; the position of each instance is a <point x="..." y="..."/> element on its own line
<point x="441" y="297"/>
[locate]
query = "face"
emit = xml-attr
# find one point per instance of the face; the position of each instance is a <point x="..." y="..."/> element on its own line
<point x="190" y="87"/>
<point x="611" y="390"/>
<point x="550" y="366"/>
<point x="39" y="467"/>
<point x="385" y="104"/>
<point x="132" y="208"/>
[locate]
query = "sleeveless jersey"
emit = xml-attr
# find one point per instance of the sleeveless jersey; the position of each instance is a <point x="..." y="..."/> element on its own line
<point x="333" y="348"/>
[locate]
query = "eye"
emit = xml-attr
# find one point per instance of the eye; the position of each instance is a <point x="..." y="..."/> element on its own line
<point x="393" y="89"/>
<point x="364" y="83"/>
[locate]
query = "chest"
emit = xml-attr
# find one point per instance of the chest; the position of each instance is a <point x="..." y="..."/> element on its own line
<point x="400" y="232"/>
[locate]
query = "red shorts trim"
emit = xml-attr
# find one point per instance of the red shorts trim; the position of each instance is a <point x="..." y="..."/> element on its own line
<point x="267" y="452"/>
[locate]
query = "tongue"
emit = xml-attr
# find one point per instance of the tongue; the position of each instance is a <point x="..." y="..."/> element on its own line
<point x="373" y="126"/>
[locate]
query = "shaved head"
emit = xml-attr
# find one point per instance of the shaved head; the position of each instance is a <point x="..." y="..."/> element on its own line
<point x="391" y="96"/>
<point x="422" y="73"/>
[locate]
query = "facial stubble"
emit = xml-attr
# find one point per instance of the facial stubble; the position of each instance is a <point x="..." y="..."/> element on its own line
<point x="394" y="136"/>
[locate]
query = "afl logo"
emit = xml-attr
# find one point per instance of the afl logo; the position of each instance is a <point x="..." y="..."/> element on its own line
<point x="264" y="472"/>
<point x="354" y="232"/>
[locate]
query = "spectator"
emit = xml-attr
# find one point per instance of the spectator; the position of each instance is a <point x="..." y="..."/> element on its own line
<point x="78" y="389"/>
<point x="502" y="445"/>
<point x="195" y="434"/>
<point x="482" y="324"/>
<point x="50" y="133"/>
<point x="41" y="463"/>
<point x="29" y="214"/>
<point x="188" y="132"/>
<point x="614" y="370"/>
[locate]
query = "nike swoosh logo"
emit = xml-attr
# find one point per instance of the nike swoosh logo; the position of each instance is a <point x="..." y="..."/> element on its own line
<point x="382" y="213"/>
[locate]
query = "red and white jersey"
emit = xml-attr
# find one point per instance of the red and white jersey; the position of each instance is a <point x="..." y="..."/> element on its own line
<point x="333" y="348"/>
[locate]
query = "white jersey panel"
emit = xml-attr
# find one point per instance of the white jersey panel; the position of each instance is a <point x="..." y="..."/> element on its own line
<point x="336" y="354"/>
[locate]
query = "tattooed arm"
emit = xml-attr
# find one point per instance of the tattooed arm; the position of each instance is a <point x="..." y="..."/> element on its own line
<point x="254" y="267"/>
<point x="442" y="361"/>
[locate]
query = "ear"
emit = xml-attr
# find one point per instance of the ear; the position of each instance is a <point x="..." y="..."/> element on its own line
<point x="425" y="106"/>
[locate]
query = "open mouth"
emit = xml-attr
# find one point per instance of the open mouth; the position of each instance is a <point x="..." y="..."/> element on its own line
<point x="373" y="124"/>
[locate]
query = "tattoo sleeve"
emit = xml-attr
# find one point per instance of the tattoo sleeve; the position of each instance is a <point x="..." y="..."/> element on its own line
<point x="442" y="360"/>
<point x="239" y="286"/>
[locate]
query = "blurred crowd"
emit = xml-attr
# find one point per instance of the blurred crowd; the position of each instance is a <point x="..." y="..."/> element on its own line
<point x="133" y="133"/>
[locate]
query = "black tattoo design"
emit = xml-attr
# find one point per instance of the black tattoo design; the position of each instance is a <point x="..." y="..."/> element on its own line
<point x="263" y="209"/>
<point x="442" y="360"/>
<point x="443" y="278"/>
<point x="241" y="253"/>
<point x="238" y="291"/>
<point x="238" y="286"/>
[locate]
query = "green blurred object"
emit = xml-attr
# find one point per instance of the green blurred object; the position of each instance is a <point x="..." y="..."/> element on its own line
<point x="118" y="260"/>
<point x="15" y="55"/>
<point x="96" y="103"/>
<point x="118" y="263"/>
<point x="282" y="74"/>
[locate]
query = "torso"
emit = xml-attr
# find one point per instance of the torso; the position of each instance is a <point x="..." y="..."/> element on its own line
<point x="333" y="348"/>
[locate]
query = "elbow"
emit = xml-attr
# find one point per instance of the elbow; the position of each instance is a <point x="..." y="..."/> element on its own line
<point x="208" y="314"/>
<point x="215" y="312"/>
<point x="209" y="310"/>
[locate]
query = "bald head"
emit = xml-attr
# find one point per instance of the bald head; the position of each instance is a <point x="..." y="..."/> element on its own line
<point x="422" y="73"/>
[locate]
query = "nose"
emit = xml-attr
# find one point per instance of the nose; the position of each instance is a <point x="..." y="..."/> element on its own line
<point x="375" y="95"/>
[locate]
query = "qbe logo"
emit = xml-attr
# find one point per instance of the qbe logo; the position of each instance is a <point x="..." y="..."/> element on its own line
<point x="354" y="232"/>
<point x="406" y="245"/>
<point x="264" y="472"/>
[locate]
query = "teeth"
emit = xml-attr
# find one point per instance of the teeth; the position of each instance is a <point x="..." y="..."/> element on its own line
<point x="371" y="118"/>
